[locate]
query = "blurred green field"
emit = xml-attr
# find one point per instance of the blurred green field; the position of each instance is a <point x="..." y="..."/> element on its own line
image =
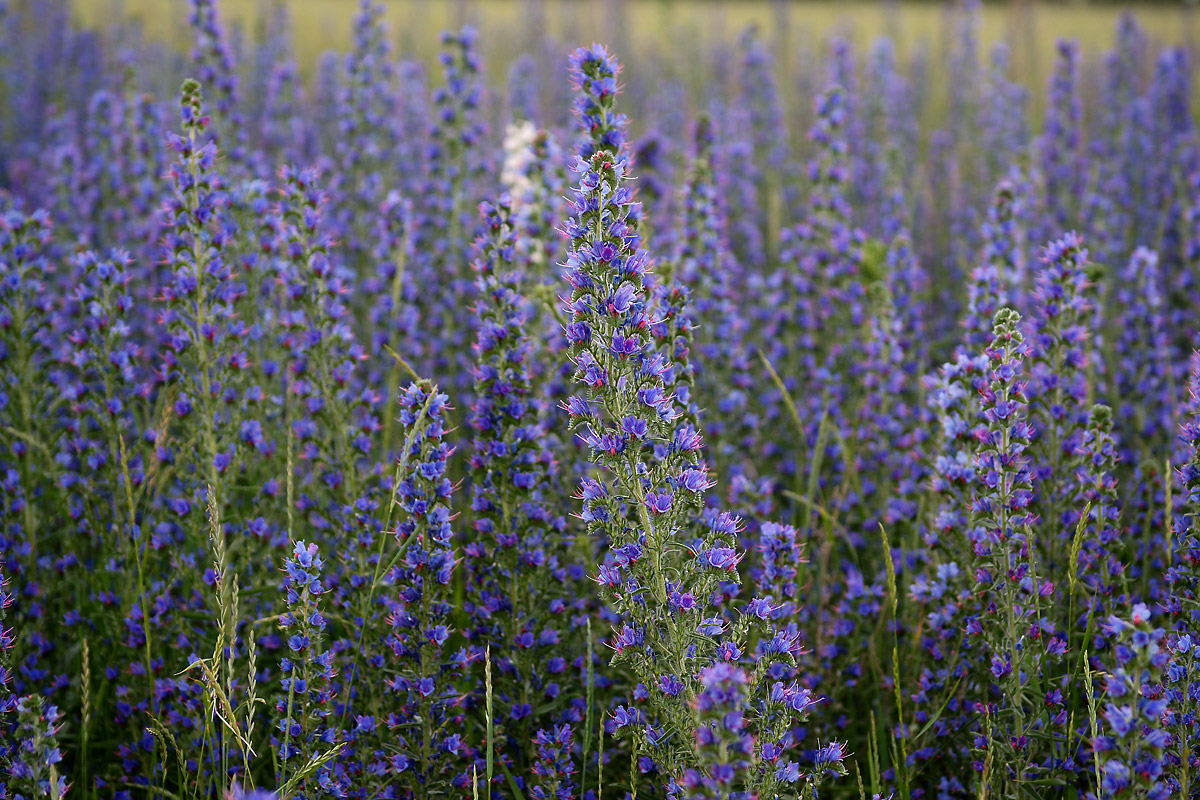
<point x="672" y="31"/>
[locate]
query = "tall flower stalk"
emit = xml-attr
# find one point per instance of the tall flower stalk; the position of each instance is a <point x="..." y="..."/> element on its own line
<point x="653" y="478"/>
<point x="303" y="732"/>
<point x="1131" y="750"/>
<point x="427" y="752"/>
<point x="204" y="357"/>
<point x="1062" y="142"/>
<point x="1058" y="387"/>
<point x="1010" y="591"/>
<point x="520" y="542"/>
<point x="663" y="571"/>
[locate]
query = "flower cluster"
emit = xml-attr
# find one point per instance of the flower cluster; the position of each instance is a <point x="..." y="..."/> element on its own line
<point x="992" y="280"/>
<point x="204" y="358"/>
<point x="1185" y="578"/>
<point x="33" y="763"/>
<point x="723" y="744"/>
<point x="1100" y="563"/>
<point x="519" y="538"/>
<point x="1062" y="141"/>
<point x="1058" y="386"/>
<point x="552" y="772"/>
<point x="421" y="604"/>
<point x="1131" y="748"/>
<point x="654" y="479"/>
<point x="1010" y="591"/>
<point x="1181" y="719"/>
<point x="303" y="730"/>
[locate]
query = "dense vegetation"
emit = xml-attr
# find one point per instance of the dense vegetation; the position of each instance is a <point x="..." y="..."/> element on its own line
<point x="395" y="435"/>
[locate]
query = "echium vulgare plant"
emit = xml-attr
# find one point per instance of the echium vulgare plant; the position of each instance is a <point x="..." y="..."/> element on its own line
<point x="366" y="135"/>
<point x="204" y="372"/>
<point x="519" y="593"/>
<point x="1144" y="391"/>
<point x="456" y="171"/>
<point x="555" y="765"/>
<point x="766" y="129"/>
<point x="33" y="768"/>
<point x="329" y="415"/>
<point x="204" y="358"/>
<point x="703" y="261"/>
<point x="1061" y="143"/>
<point x="953" y="397"/>
<point x="213" y="58"/>
<point x="1098" y="565"/>
<point x="99" y="455"/>
<point x="24" y="266"/>
<point x="1058" y="390"/>
<point x="990" y="288"/>
<point x="722" y="741"/>
<point x="1131" y="748"/>
<point x="1182" y="717"/>
<point x="304" y="738"/>
<point x="1021" y="642"/>
<point x="829" y="238"/>
<point x="662" y="570"/>
<point x="426" y="750"/>
<point x="815" y="311"/>
<point x="1184" y="574"/>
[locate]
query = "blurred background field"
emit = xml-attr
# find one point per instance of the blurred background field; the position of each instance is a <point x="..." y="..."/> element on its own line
<point x="673" y="35"/>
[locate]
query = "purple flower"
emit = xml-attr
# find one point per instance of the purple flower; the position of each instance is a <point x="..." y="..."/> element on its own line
<point x="659" y="503"/>
<point x="725" y="558"/>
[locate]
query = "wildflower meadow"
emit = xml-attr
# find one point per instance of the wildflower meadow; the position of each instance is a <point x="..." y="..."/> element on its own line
<point x="811" y="427"/>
